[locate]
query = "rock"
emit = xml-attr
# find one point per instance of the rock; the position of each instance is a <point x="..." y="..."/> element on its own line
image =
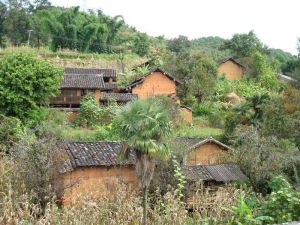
<point x="234" y="99"/>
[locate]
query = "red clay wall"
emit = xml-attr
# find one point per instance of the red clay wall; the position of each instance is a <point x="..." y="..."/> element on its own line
<point x="155" y="84"/>
<point x="93" y="181"/>
<point x="208" y="153"/>
<point x="231" y="70"/>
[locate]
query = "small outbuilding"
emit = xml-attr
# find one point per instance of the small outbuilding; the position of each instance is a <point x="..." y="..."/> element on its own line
<point x="201" y="151"/>
<point x="231" y="68"/>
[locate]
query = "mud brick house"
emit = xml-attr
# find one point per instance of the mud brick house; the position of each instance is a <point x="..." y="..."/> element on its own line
<point x="203" y="160"/>
<point x="78" y="82"/>
<point x="232" y="69"/>
<point x="92" y="167"/>
<point x="156" y="83"/>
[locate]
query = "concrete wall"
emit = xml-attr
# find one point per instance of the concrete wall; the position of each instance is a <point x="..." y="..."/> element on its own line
<point x="155" y="84"/>
<point x="93" y="181"/>
<point x="231" y="70"/>
<point x="208" y="153"/>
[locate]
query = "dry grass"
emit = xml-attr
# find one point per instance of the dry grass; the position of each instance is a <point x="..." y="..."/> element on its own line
<point x="117" y="206"/>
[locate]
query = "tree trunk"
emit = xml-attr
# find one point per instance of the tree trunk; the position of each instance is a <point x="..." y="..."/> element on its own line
<point x="145" y="192"/>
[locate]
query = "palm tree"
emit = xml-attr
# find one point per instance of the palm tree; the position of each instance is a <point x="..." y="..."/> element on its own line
<point x="144" y="125"/>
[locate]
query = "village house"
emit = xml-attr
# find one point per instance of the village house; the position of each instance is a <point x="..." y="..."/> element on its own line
<point x="232" y="69"/>
<point x="204" y="160"/>
<point x="91" y="168"/>
<point x="77" y="82"/>
<point x="157" y="83"/>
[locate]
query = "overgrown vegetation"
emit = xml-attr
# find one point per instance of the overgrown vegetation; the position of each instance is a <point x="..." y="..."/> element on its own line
<point x="258" y="116"/>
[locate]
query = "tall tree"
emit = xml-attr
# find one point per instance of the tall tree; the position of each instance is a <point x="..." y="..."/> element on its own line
<point x="298" y="47"/>
<point x="243" y="45"/>
<point x="144" y="124"/>
<point x="203" y="77"/>
<point x="179" y="44"/>
<point x="141" y="44"/>
<point x="16" y="24"/>
<point x="2" y="18"/>
<point x="41" y="4"/>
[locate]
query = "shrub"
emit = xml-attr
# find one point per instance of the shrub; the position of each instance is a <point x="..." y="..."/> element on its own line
<point x="11" y="130"/>
<point x="90" y="112"/>
<point x="38" y="160"/>
<point x="283" y="204"/>
<point x="26" y="83"/>
<point x="262" y="157"/>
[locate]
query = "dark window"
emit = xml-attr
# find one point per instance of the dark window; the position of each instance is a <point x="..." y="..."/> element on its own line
<point x="86" y="91"/>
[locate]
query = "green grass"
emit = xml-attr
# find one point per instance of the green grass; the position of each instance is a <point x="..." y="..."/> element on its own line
<point x="199" y="128"/>
<point x="79" y="134"/>
<point x="193" y="131"/>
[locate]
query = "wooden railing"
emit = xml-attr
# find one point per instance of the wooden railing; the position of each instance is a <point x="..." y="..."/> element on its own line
<point x="61" y="99"/>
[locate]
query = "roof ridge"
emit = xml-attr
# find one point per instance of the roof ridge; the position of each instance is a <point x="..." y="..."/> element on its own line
<point x="95" y="141"/>
<point x="89" y="68"/>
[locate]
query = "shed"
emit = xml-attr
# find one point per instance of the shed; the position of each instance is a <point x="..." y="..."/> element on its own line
<point x="213" y="172"/>
<point x="232" y="69"/>
<point x="199" y="150"/>
<point x="92" y="167"/>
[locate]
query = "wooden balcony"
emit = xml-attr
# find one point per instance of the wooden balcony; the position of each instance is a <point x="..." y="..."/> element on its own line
<point x="65" y="100"/>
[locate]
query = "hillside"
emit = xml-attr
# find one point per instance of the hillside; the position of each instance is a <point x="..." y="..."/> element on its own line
<point x="142" y="129"/>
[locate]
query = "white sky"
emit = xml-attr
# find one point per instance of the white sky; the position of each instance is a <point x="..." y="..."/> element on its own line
<point x="276" y="22"/>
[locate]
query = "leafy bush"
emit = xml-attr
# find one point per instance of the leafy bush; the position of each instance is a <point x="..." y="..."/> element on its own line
<point x="214" y="112"/>
<point x="283" y="204"/>
<point x="11" y="130"/>
<point x="105" y="132"/>
<point x="25" y="83"/>
<point x="90" y="112"/>
<point x="263" y="157"/>
<point x="243" y="214"/>
<point x="38" y="160"/>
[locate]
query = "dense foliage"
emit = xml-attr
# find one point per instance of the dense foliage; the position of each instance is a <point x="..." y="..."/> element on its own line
<point x="26" y="83"/>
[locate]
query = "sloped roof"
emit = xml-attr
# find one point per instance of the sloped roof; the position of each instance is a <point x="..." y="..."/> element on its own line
<point x="141" y="79"/>
<point x="83" y="81"/>
<point x="186" y="107"/>
<point x="231" y="59"/>
<point x="91" y="71"/>
<point x="119" y="97"/>
<point x="214" y="172"/>
<point x="190" y="143"/>
<point x="93" y="154"/>
<point x="286" y="78"/>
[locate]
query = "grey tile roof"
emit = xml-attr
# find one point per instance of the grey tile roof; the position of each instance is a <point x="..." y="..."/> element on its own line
<point x="92" y="71"/>
<point x="213" y="172"/>
<point x="83" y="81"/>
<point x="141" y="79"/>
<point x="190" y="143"/>
<point x="119" y="97"/>
<point x="93" y="154"/>
<point x="108" y="86"/>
